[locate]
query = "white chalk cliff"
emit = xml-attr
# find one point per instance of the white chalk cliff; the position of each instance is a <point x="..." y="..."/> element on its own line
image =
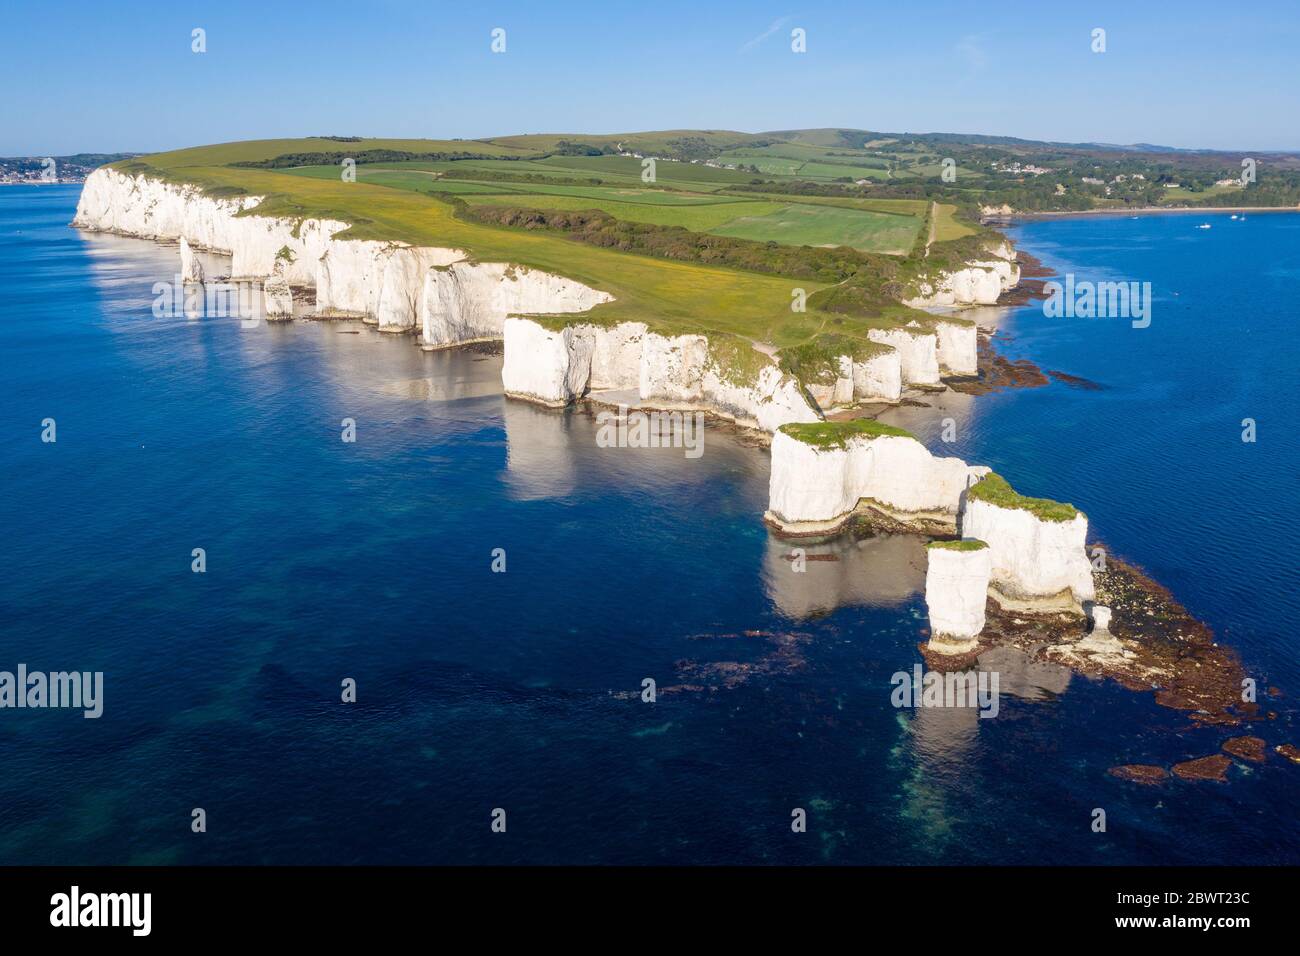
<point x="918" y="352"/>
<point x="449" y="300"/>
<point x="464" y="302"/>
<point x="555" y="365"/>
<point x="816" y="489"/>
<point x="1037" y="563"/>
<point x="958" y="347"/>
<point x="979" y="282"/>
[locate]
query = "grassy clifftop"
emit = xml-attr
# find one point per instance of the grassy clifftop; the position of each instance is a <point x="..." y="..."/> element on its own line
<point x="996" y="490"/>
<point x="686" y="254"/>
<point x="826" y="435"/>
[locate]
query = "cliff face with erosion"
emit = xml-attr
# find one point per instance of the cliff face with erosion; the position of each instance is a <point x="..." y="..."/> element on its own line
<point x="980" y="282"/>
<point x="448" y="299"/>
<point x="815" y="487"/>
<point x="556" y="365"/>
<point x="434" y="290"/>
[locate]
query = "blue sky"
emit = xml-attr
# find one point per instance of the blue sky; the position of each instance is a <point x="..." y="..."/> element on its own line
<point x="109" y="76"/>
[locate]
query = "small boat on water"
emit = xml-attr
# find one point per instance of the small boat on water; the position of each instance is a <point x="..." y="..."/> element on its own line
<point x="1204" y="225"/>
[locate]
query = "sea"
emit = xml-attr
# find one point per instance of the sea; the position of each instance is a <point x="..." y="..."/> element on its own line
<point x="472" y="634"/>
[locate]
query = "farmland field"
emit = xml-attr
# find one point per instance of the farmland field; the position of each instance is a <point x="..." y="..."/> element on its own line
<point x="1179" y="194"/>
<point x="887" y="226"/>
<point x="630" y="168"/>
<point x="800" y="224"/>
<point x="946" y="225"/>
<point x="808" y="162"/>
<point x="697" y="217"/>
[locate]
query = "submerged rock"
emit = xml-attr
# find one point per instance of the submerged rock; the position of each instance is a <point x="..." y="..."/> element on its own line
<point x="1247" y="748"/>
<point x="1140" y="773"/>
<point x="1214" y="767"/>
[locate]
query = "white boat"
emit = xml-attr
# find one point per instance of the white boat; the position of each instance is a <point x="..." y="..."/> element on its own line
<point x="1204" y="225"/>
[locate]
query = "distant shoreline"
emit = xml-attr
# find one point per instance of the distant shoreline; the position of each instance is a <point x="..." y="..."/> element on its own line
<point x="1140" y="211"/>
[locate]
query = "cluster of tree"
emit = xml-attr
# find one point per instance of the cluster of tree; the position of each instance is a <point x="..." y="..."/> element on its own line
<point x="687" y="148"/>
<point x="289" y="160"/>
<point x="566" y="148"/>
<point x="499" y="176"/>
<point x="799" y="187"/>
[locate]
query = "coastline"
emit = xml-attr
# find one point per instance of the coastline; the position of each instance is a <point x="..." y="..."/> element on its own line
<point x="667" y="362"/>
<point x="1137" y="211"/>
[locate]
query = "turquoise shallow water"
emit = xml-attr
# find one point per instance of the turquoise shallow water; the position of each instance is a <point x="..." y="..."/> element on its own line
<point x="477" y="690"/>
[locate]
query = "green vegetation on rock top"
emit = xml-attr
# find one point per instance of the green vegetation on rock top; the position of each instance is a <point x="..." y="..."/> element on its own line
<point x="837" y="434"/>
<point x="995" y="490"/>
<point x="818" y="360"/>
<point x="965" y="544"/>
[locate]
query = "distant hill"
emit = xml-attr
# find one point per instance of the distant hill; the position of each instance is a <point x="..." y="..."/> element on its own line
<point x="67" y="169"/>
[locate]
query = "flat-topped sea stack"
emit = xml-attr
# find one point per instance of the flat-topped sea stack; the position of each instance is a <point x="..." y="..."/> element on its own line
<point x="956" y="591"/>
<point x="825" y="472"/>
<point x="1036" y="546"/>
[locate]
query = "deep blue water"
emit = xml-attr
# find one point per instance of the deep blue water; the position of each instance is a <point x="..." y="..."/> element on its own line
<point x="371" y="560"/>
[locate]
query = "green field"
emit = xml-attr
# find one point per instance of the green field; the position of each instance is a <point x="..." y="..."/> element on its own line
<point x="260" y="149"/>
<point x="697" y="218"/>
<point x="811" y="225"/>
<point x="1178" y="194"/>
<point x="946" y="225"/>
<point x="816" y="163"/>
<point x="608" y="169"/>
<point x="628" y="167"/>
<point x="663" y="143"/>
<point x="624" y="194"/>
<point x="881" y="226"/>
<point x="415" y="180"/>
